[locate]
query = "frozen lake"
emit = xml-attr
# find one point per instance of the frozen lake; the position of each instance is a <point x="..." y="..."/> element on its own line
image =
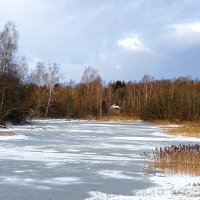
<point x="79" y="160"/>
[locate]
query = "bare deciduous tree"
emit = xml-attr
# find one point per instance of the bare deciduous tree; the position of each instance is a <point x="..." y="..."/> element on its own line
<point x="45" y="75"/>
<point x="10" y="79"/>
<point x="52" y="77"/>
<point x="92" y="79"/>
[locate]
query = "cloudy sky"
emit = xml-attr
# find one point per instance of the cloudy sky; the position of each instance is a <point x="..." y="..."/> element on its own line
<point x="123" y="39"/>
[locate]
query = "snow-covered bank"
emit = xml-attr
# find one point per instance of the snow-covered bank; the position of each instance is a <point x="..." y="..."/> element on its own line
<point x="177" y="187"/>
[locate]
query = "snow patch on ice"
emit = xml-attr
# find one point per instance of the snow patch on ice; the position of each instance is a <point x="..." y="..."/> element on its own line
<point x="115" y="174"/>
<point x="63" y="181"/>
<point x="15" y="137"/>
<point x="95" y="195"/>
<point x="23" y="171"/>
<point x="14" y="180"/>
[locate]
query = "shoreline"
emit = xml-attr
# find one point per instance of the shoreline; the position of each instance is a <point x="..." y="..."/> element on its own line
<point x="185" y="128"/>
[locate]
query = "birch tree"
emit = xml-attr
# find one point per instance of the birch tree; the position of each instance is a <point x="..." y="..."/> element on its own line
<point x="45" y="76"/>
<point x="92" y="79"/>
<point x="9" y="80"/>
<point x="8" y="48"/>
<point x="52" y="77"/>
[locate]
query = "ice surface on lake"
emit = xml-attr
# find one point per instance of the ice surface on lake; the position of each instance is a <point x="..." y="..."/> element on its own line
<point x="114" y="174"/>
<point x="77" y="160"/>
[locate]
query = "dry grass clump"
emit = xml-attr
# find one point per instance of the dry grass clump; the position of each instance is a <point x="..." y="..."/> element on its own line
<point x="176" y="159"/>
<point x="163" y="122"/>
<point x="189" y="129"/>
<point x="7" y="133"/>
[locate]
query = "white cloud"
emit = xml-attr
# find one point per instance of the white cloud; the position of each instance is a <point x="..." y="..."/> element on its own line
<point x="185" y="29"/>
<point x="133" y="43"/>
<point x="185" y="34"/>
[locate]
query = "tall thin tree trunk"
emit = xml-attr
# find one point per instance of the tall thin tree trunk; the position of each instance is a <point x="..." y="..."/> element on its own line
<point x="100" y="107"/>
<point x="2" y="101"/>
<point x="49" y="102"/>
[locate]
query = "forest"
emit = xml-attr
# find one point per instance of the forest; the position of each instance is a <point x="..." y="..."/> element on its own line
<point x="38" y="93"/>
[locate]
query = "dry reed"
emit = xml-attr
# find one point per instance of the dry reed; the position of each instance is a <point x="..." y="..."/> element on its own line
<point x="192" y="130"/>
<point x="175" y="159"/>
<point x="186" y="128"/>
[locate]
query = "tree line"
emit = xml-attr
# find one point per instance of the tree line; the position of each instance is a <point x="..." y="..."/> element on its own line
<point x="38" y="92"/>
